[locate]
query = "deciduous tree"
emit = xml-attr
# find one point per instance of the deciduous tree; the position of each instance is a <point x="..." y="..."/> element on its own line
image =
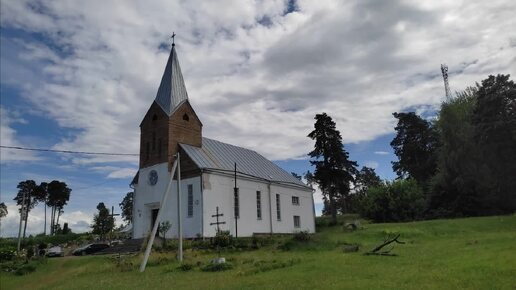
<point x="103" y="222"/>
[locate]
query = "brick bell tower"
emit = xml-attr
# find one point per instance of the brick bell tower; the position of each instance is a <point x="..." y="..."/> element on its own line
<point x="170" y="119"/>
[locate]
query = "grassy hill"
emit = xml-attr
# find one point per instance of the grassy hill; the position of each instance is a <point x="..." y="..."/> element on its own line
<point x="469" y="253"/>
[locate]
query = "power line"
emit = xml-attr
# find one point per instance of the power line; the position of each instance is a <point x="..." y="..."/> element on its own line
<point x="67" y="151"/>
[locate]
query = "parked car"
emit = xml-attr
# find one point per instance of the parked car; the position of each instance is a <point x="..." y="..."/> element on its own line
<point x="89" y="249"/>
<point x="56" y="251"/>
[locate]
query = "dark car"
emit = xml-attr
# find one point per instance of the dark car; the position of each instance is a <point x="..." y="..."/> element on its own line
<point x="89" y="249"/>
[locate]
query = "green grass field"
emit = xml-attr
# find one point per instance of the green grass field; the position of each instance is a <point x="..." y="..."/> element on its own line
<point x="470" y="253"/>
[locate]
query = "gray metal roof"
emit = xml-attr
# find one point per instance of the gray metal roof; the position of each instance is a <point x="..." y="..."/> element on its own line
<point x="222" y="156"/>
<point x="172" y="89"/>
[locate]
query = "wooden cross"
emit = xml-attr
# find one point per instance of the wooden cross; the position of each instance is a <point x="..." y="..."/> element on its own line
<point x="217" y="215"/>
<point x="112" y="215"/>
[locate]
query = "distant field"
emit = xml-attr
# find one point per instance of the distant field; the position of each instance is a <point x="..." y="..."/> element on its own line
<point x="470" y="253"/>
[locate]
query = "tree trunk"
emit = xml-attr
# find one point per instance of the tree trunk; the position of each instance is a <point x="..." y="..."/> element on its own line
<point x="58" y="216"/>
<point x="52" y="214"/>
<point x="333" y="209"/>
<point x="45" y="225"/>
<point x="25" y="226"/>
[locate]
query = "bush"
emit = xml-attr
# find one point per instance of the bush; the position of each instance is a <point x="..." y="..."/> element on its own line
<point x="302" y="236"/>
<point x="185" y="267"/>
<point x="400" y="200"/>
<point x="24" y="269"/>
<point x="223" y="239"/>
<point x="7" y="253"/>
<point x="217" y="267"/>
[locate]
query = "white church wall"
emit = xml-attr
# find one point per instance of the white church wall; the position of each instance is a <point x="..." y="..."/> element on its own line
<point x="218" y="191"/>
<point x="148" y="197"/>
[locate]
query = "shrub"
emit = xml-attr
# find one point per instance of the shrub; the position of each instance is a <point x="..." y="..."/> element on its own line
<point x="302" y="236"/>
<point x="223" y="239"/>
<point x="185" y="267"/>
<point x="7" y="253"/>
<point x="25" y="269"/>
<point x="400" y="200"/>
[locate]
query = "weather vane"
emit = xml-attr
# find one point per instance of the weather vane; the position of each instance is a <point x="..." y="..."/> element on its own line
<point x="173" y="35"/>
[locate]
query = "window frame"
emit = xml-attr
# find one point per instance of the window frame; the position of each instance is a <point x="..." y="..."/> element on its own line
<point x="278" y="207"/>
<point x="258" y="205"/>
<point x="298" y="225"/>
<point x="190" y="202"/>
<point x="236" y="203"/>
<point x="296" y="198"/>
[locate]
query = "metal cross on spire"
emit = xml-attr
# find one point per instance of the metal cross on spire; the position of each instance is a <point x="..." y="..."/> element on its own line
<point x="173" y="36"/>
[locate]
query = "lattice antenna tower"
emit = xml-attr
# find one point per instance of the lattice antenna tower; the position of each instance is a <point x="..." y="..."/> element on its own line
<point x="444" y="70"/>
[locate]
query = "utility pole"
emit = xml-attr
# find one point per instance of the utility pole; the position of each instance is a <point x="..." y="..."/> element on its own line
<point x="23" y="216"/>
<point x="236" y="200"/>
<point x="179" y="220"/>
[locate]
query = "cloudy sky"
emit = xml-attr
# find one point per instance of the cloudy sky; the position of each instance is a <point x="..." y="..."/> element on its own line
<point x="79" y="75"/>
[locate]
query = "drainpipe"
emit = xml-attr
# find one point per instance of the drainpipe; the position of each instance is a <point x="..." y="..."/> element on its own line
<point x="202" y="206"/>
<point x="270" y="205"/>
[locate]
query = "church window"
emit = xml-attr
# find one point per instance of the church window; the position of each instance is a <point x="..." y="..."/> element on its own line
<point x="237" y="203"/>
<point x="190" y="200"/>
<point x="186" y="118"/>
<point x="295" y="200"/>
<point x="147" y="154"/>
<point x="297" y="221"/>
<point x="278" y="207"/>
<point x="159" y="148"/>
<point x="153" y="141"/>
<point x="259" y="205"/>
<point x="155" y="117"/>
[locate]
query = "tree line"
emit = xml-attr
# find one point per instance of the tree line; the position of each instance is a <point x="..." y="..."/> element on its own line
<point x="462" y="163"/>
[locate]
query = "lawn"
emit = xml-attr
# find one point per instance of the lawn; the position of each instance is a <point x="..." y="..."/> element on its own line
<point x="470" y="253"/>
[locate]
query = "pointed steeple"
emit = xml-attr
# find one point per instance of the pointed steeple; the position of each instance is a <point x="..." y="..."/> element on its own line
<point x="172" y="90"/>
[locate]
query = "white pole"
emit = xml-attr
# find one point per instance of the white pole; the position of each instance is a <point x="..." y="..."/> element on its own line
<point x="179" y="220"/>
<point x="158" y="218"/>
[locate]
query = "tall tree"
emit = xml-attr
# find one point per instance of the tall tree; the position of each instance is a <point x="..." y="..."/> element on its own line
<point x="103" y="222"/>
<point x="415" y="145"/>
<point x="27" y="188"/>
<point x="366" y="178"/>
<point x="42" y="197"/>
<point x="3" y="210"/>
<point x="494" y="119"/>
<point x="333" y="170"/>
<point x="461" y="181"/>
<point x="58" y="196"/>
<point x="127" y="207"/>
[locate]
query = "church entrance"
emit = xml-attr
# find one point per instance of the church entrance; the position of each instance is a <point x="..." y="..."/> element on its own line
<point x="154" y="217"/>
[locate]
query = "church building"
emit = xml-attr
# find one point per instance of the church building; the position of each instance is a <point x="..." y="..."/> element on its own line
<point x="268" y="200"/>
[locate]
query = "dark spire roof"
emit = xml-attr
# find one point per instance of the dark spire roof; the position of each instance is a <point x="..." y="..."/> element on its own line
<point x="172" y="90"/>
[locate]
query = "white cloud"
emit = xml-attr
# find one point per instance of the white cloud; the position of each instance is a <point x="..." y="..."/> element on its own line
<point x="381" y="153"/>
<point x="254" y="85"/>
<point x="8" y="137"/>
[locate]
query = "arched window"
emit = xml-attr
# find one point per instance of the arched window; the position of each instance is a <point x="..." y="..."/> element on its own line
<point x="155" y="117"/>
<point x="186" y="118"/>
